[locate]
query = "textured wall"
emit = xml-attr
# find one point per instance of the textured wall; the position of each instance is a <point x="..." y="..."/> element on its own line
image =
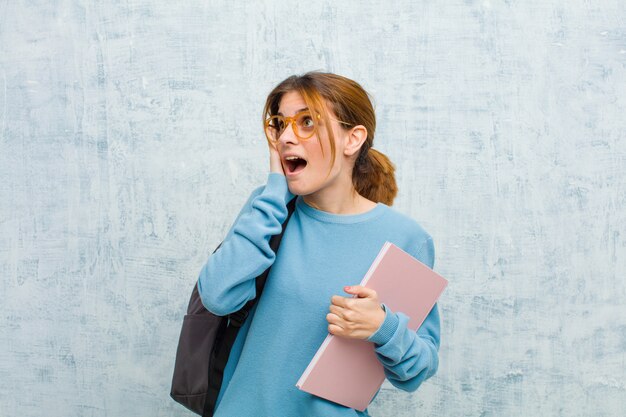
<point x="118" y="177"/>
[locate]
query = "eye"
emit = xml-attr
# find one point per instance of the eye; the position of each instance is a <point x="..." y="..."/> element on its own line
<point x="305" y="121"/>
<point x="277" y="123"/>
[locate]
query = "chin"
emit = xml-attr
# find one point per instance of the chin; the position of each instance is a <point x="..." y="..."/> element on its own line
<point x="296" y="190"/>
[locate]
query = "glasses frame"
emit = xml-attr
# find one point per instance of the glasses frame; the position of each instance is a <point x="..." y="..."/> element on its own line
<point x="291" y="120"/>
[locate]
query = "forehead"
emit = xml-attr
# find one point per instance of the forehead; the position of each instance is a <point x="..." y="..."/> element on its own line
<point x="290" y="103"/>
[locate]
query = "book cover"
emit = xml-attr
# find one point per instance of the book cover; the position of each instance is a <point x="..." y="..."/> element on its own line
<point x="347" y="371"/>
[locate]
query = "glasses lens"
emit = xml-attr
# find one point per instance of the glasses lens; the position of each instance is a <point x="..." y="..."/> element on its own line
<point x="274" y="127"/>
<point x="306" y="126"/>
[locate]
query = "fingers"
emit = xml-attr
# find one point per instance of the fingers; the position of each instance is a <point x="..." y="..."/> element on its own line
<point x="343" y="317"/>
<point x="335" y="320"/>
<point x="338" y="311"/>
<point x="334" y="329"/>
<point x="339" y="301"/>
<point x="275" y="162"/>
<point x="360" y="291"/>
<point x="349" y="302"/>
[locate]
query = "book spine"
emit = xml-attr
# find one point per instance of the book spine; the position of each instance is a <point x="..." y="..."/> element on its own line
<point x="309" y="368"/>
<point x="374" y="265"/>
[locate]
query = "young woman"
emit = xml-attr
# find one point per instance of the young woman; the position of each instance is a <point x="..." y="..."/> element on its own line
<point x="320" y="131"/>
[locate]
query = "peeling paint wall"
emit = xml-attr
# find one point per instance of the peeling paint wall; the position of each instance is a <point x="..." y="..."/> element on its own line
<point x="130" y="137"/>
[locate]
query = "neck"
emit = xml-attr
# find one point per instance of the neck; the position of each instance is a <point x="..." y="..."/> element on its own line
<point x="330" y="205"/>
<point x="338" y="197"/>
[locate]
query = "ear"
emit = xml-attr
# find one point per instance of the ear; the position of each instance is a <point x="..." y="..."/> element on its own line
<point x="354" y="140"/>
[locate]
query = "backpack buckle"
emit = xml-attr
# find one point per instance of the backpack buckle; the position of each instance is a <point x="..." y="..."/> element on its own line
<point x="238" y="318"/>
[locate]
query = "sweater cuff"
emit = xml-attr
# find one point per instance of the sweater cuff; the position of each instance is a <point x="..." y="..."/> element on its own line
<point x="387" y="329"/>
<point x="277" y="185"/>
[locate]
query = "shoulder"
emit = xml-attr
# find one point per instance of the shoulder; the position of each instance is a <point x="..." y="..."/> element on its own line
<point x="404" y="224"/>
<point x="409" y="234"/>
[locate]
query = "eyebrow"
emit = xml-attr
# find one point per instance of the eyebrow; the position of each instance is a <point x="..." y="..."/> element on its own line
<point x="297" y="111"/>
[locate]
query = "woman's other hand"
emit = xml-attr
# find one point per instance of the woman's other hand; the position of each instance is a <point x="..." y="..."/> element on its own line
<point x="356" y="318"/>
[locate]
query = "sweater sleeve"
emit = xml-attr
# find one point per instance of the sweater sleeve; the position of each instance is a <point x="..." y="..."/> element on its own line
<point x="409" y="357"/>
<point x="227" y="280"/>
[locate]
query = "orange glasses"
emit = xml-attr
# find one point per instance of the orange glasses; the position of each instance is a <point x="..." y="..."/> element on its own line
<point x="302" y="123"/>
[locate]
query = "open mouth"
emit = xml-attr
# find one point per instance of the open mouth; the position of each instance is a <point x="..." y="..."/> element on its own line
<point x="295" y="165"/>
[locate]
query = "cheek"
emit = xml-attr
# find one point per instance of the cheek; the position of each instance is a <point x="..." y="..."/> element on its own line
<point x="314" y="154"/>
<point x="320" y="164"/>
<point x="319" y="159"/>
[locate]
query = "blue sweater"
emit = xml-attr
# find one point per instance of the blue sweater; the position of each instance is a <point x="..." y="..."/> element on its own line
<point x="320" y="253"/>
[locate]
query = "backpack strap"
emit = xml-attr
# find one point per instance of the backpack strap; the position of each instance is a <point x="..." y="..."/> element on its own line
<point x="222" y="348"/>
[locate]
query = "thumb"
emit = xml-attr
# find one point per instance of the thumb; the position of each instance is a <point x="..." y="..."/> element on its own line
<point x="359" y="290"/>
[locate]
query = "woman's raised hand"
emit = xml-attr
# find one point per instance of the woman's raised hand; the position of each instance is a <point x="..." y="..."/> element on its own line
<point x="275" y="163"/>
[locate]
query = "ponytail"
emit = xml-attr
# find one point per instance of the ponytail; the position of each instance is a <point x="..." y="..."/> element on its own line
<point x="373" y="175"/>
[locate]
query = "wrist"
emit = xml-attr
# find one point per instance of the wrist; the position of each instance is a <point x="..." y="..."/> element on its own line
<point x="382" y="313"/>
<point x="386" y="330"/>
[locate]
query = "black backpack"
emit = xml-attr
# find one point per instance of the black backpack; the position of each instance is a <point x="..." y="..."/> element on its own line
<point x="206" y="341"/>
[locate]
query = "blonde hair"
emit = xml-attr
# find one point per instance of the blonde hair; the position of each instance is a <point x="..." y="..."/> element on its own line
<point x="373" y="173"/>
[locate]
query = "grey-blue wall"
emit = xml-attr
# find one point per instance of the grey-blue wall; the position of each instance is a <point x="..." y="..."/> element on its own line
<point x="130" y="138"/>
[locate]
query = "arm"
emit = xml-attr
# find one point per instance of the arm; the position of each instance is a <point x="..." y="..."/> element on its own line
<point x="409" y="357"/>
<point x="227" y="280"/>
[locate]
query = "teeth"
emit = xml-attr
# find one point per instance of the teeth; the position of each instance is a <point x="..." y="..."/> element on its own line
<point x="291" y="158"/>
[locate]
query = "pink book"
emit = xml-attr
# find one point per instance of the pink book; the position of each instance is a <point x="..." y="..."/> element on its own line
<point x="347" y="371"/>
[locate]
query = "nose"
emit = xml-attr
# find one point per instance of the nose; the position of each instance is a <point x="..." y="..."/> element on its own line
<point x="288" y="135"/>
